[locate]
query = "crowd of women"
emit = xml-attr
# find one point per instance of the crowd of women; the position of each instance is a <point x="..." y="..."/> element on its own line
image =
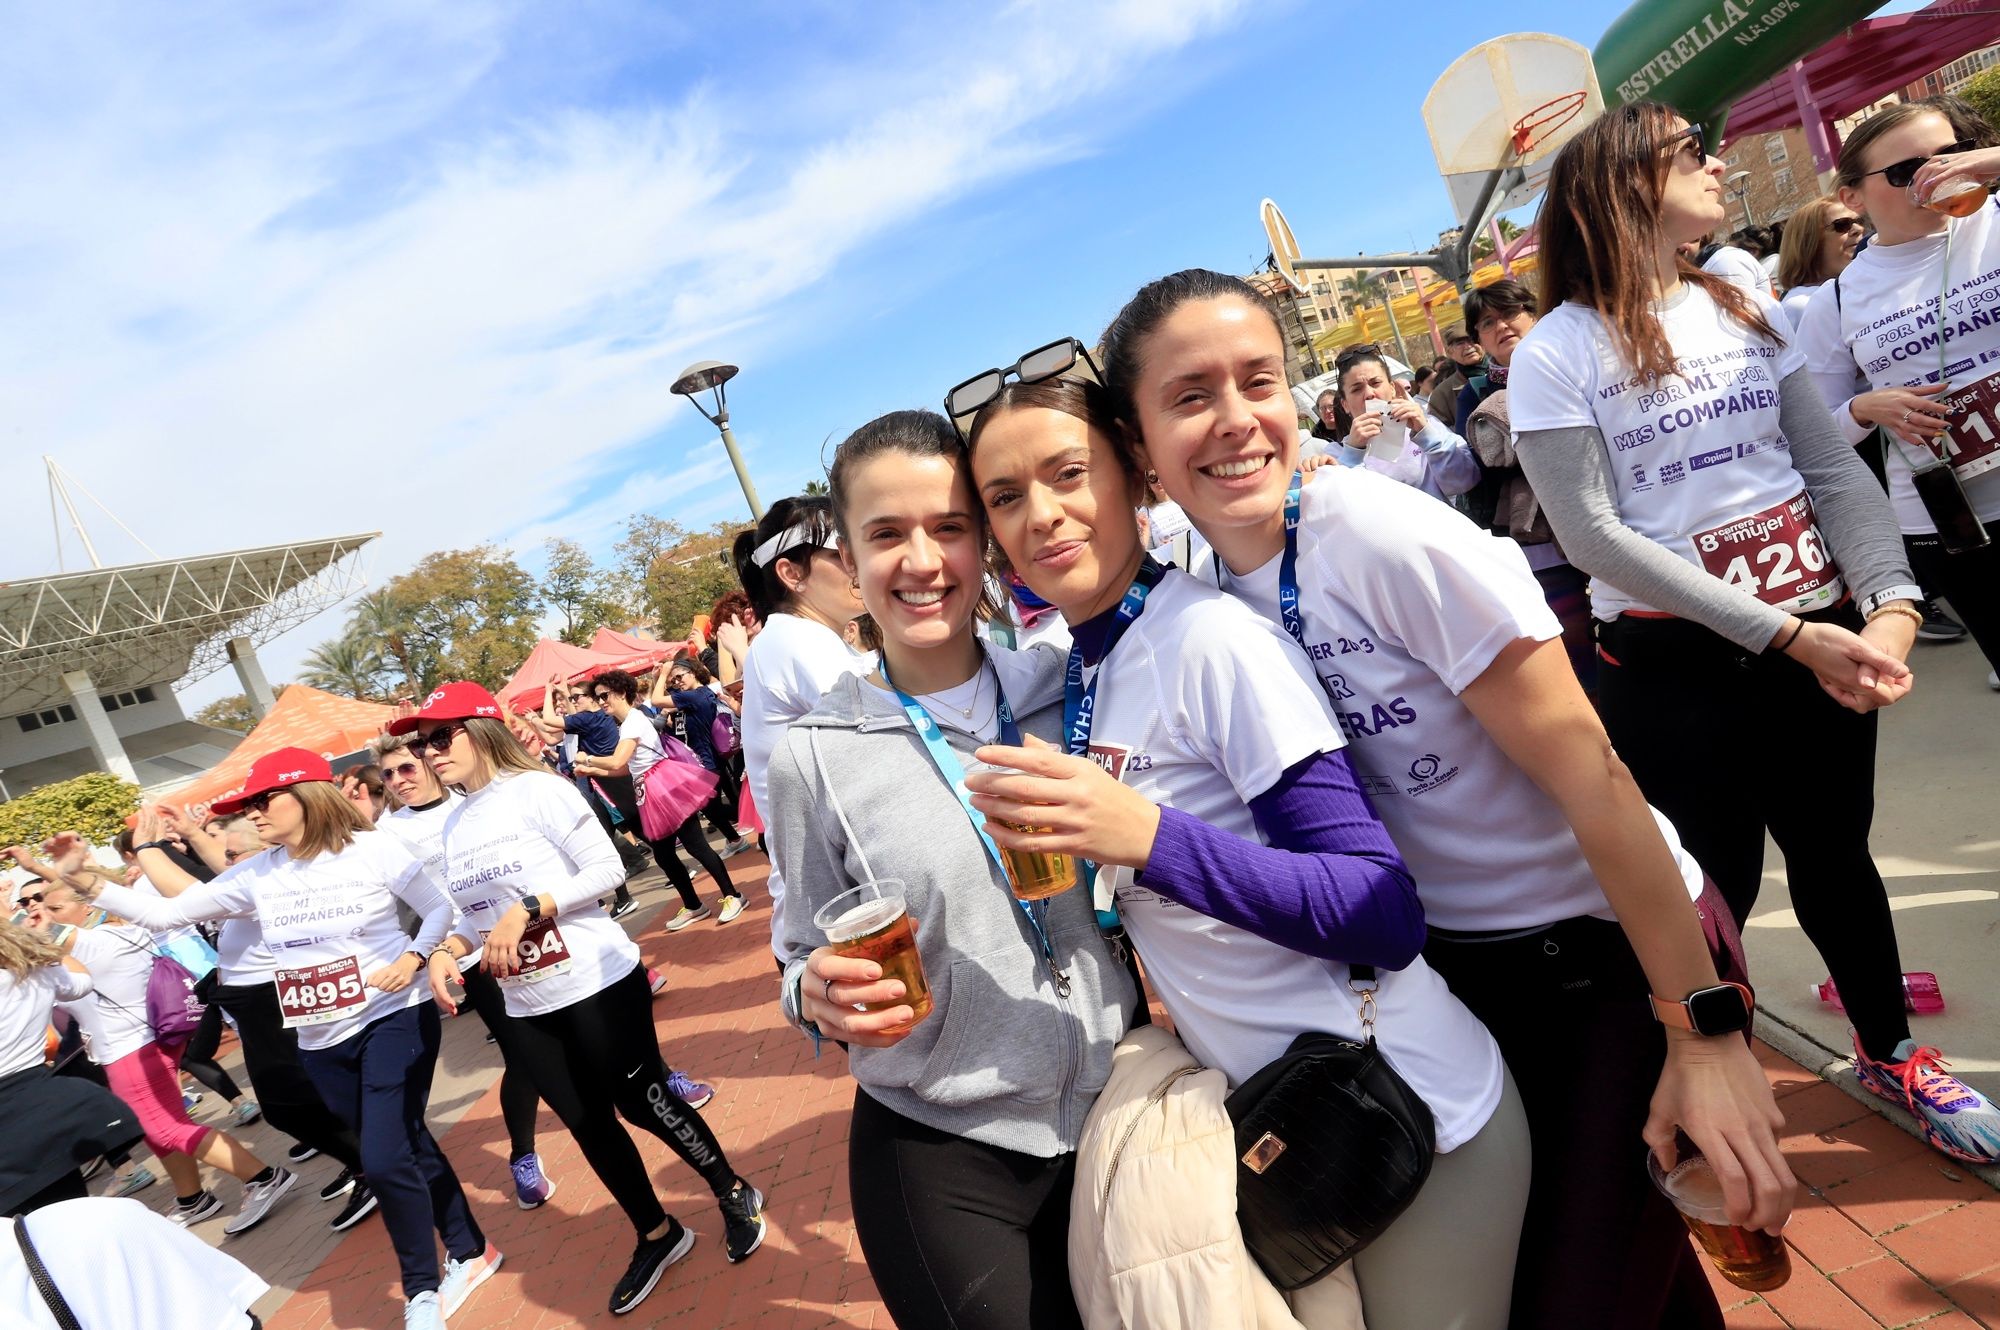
<point x="1490" y="798"/>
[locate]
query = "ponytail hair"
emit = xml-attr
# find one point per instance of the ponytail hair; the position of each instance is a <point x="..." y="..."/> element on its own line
<point x="809" y="519"/>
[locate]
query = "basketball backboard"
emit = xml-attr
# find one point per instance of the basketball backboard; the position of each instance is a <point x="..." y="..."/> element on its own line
<point x="1508" y="104"/>
<point x="1284" y="245"/>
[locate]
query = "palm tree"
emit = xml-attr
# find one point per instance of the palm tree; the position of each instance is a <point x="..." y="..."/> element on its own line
<point x="1366" y="287"/>
<point x="379" y="617"/>
<point x="814" y="488"/>
<point x="346" y="665"/>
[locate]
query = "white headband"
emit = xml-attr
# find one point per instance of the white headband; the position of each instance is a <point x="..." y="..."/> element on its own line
<point x="790" y="538"/>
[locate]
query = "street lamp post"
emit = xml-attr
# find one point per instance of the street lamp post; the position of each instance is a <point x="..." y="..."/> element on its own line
<point x="1740" y="182"/>
<point x="710" y="376"/>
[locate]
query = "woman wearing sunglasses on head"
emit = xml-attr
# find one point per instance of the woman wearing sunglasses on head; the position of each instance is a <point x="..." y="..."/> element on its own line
<point x="1687" y="463"/>
<point x="803" y="598"/>
<point x="1921" y="172"/>
<point x="525" y="863"/>
<point x="1432" y="458"/>
<point x="1206" y="779"/>
<point x="962" y="1146"/>
<point x="325" y="896"/>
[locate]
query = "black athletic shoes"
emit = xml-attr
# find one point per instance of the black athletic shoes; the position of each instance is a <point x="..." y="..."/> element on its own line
<point x="650" y="1260"/>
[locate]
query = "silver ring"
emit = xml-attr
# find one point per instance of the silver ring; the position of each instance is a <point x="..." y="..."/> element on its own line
<point x="1906" y="415"/>
<point x="827" y="992"/>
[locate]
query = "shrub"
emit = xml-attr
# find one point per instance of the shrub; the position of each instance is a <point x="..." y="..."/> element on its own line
<point x="96" y="805"/>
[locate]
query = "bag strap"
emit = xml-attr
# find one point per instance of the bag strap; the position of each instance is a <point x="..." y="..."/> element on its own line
<point x="52" y="1296"/>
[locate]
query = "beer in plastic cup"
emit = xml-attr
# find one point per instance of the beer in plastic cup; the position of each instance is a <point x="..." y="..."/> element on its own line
<point x="1959" y="198"/>
<point x="870" y="922"/>
<point x="1033" y="874"/>
<point x="1749" y="1258"/>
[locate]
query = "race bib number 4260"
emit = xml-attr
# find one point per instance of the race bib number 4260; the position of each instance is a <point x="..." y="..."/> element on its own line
<point x="321" y="993"/>
<point x="1776" y="555"/>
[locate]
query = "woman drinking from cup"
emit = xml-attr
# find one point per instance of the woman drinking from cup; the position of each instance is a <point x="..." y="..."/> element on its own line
<point x="1205" y="779"/>
<point x="962" y="1146"/>
<point x="525" y="862"/>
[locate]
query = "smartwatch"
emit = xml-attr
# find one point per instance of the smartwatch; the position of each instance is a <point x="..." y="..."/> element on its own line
<point x="1870" y="604"/>
<point x="1723" y="1009"/>
<point x="533" y="905"/>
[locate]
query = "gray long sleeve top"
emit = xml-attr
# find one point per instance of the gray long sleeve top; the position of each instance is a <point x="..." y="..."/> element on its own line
<point x="1570" y="470"/>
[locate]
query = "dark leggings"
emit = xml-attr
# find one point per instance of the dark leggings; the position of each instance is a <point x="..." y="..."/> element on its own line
<point x="1567" y="1005"/>
<point x="600" y="1057"/>
<point x="379" y="1080"/>
<point x="1971" y="582"/>
<point x="1729" y="745"/>
<point x="290" y="1100"/>
<point x="518" y="1100"/>
<point x="718" y="812"/>
<point x="688" y="835"/>
<point x="198" y="1058"/>
<point x="959" y="1235"/>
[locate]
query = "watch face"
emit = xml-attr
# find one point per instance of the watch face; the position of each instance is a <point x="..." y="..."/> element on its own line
<point x="1719" y="1010"/>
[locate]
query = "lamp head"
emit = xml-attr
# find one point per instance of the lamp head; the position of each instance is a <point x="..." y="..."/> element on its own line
<point x="703" y="375"/>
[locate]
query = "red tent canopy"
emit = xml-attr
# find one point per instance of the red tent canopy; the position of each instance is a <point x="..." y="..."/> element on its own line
<point x="650" y="650"/>
<point x="559" y="662"/>
<point x="1866" y="63"/>
<point x="303" y="717"/>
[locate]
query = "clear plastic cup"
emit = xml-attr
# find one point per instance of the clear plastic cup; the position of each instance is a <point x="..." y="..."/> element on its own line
<point x="871" y="922"/>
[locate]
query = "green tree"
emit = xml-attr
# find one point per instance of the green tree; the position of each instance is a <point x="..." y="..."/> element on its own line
<point x="1983" y="91"/>
<point x="469" y="614"/>
<point x="815" y="488"/>
<point x="381" y="618"/>
<point x="348" y="665"/>
<point x="232" y="713"/>
<point x="646" y="541"/>
<point x="580" y="591"/>
<point x="94" y="805"/>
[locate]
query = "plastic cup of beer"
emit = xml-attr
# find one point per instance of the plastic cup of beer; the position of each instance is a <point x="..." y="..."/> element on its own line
<point x="1749" y="1258"/>
<point x="1957" y="198"/>
<point x="870" y="922"/>
<point x="1033" y="874"/>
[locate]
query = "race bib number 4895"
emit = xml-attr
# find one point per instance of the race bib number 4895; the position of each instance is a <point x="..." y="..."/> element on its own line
<point x="320" y="993"/>
<point x="1776" y="555"/>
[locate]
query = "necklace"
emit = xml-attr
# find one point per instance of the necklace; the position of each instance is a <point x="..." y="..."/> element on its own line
<point x="978" y="682"/>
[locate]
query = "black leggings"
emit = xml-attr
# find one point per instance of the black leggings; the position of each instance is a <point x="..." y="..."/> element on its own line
<point x="958" y="1234"/>
<point x="198" y="1058"/>
<point x="688" y="835"/>
<point x="518" y="1100"/>
<point x="1729" y="745"/>
<point x="1567" y="1004"/>
<point x="290" y="1100"/>
<point x="598" y="1058"/>
<point x="1971" y="582"/>
<point x="718" y="812"/>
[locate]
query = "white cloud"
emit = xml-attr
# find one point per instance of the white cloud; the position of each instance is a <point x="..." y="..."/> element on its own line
<point x="274" y="278"/>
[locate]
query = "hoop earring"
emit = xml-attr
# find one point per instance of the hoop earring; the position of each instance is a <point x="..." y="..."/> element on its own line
<point x="1152" y="479"/>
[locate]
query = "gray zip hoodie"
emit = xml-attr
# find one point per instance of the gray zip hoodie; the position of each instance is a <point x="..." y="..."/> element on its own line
<point x="1001" y="1058"/>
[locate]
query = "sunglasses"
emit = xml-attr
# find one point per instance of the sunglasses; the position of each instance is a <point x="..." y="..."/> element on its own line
<point x="437" y="740"/>
<point x="1900" y="174"/>
<point x="1041" y="364"/>
<point x="35" y="899"/>
<point x="1842" y="225"/>
<point x="1693" y="139"/>
<point x="405" y="770"/>
<point x="258" y="803"/>
<point x="601" y="697"/>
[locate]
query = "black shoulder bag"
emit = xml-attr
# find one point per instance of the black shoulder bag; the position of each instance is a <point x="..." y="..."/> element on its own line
<point x="52" y="1297"/>
<point x="1332" y="1144"/>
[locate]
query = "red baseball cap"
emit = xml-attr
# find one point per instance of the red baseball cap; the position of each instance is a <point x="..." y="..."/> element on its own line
<point x="454" y="701"/>
<point x="274" y="771"/>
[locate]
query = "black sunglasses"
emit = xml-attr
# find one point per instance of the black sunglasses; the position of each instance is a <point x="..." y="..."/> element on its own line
<point x="1042" y="363"/>
<point x="1359" y="351"/>
<point x="36" y="899"/>
<point x="437" y="740"/>
<point x="1842" y="225"/>
<point x="258" y="803"/>
<point x="1694" y="138"/>
<point x="1900" y="174"/>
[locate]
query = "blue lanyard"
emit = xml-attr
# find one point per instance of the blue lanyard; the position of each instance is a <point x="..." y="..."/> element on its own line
<point x="953" y="771"/>
<point x="1288" y="567"/>
<point x="1080" y="703"/>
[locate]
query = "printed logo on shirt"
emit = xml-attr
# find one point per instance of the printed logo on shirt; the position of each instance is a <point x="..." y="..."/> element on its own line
<point x="1639" y="482"/>
<point x="1673" y="473"/>
<point x="1429" y="772"/>
<point x="1713" y="457"/>
<point x="1112" y="757"/>
<point x="1751" y="447"/>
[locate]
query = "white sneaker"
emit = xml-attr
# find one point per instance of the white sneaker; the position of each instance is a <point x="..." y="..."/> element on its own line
<point x="423" y="1312"/>
<point x="461" y="1277"/>
<point x="258" y="1198"/>
<point x="741" y="845"/>
<point x="686" y="917"/>
<point x="731" y="907"/>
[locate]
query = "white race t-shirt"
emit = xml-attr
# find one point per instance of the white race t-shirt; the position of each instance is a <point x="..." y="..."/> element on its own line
<point x="1405" y="603"/>
<point x="1202" y="707"/>
<point x="113" y="1018"/>
<point x="25" y="1007"/>
<point x="1885" y="322"/>
<point x="1740" y="268"/>
<point x="422" y="829"/>
<point x="792" y="662"/>
<point x="500" y="844"/>
<point x="330" y="922"/>
<point x="647" y="749"/>
<point x="116" y="1263"/>
<point x="1699" y="463"/>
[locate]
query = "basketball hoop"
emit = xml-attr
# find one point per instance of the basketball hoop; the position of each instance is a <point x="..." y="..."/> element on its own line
<point x="1545" y="119"/>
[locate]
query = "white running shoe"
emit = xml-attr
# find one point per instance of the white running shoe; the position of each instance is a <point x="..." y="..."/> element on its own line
<point x="461" y="1277"/>
<point x="258" y="1198"/>
<point x="731" y="907"/>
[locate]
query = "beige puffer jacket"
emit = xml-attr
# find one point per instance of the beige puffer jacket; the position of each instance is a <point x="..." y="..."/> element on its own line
<point x="1153" y="1241"/>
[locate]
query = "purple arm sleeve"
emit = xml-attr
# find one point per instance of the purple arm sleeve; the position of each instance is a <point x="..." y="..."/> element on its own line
<point x="1330" y="883"/>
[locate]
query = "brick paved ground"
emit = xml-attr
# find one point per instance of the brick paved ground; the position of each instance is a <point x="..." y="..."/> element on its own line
<point x="1891" y="1234"/>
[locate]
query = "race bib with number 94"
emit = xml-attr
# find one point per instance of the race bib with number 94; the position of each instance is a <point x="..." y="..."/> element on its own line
<point x="317" y="994"/>
<point x="1776" y="555"/>
<point x="543" y="952"/>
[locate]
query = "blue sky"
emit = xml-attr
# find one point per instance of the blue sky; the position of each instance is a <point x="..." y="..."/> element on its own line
<point x="288" y="270"/>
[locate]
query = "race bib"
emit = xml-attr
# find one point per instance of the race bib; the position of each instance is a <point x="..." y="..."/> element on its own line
<point x="543" y="953"/>
<point x="321" y="993"/>
<point x="1776" y="555"/>
<point x="1972" y="440"/>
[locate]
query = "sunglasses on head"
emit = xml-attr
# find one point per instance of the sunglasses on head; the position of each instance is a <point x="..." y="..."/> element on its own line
<point x="1042" y="363"/>
<point x="437" y="740"/>
<point x="1900" y="174"/>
